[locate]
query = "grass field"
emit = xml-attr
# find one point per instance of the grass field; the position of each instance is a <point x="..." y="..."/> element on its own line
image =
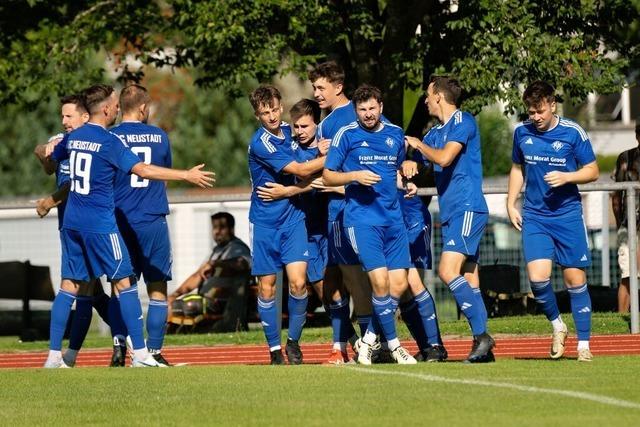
<point x="602" y="323"/>
<point x="510" y="392"/>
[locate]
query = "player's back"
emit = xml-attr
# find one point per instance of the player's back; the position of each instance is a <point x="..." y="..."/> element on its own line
<point x="460" y="183"/>
<point x="136" y="199"/>
<point x="94" y="156"/>
<point x="267" y="157"/>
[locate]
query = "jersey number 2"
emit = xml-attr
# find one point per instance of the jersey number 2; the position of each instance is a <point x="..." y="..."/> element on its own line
<point x="80" y="171"/>
<point x="136" y="181"/>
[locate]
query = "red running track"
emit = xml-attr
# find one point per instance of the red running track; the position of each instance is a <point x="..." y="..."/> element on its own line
<point x="518" y="348"/>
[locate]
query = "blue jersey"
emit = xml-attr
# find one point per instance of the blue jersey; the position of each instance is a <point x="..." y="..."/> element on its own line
<point x="382" y="151"/>
<point x="327" y="129"/>
<point x="459" y="184"/>
<point x="268" y="155"/>
<point x="142" y="200"/>
<point x="414" y="212"/>
<point x="95" y="155"/>
<point x="313" y="203"/>
<point x="563" y="149"/>
<point x="62" y="178"/>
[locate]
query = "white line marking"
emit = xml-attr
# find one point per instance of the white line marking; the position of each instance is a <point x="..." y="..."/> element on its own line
<point x="606" y="400"/>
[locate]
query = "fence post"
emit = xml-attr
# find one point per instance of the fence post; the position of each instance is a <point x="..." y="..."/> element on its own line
<point x="633" y="258"/>
<point x="606" y="267"/>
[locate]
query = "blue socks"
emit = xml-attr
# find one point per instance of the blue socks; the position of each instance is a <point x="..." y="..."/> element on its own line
<point x="477" y="293"/>
<point x="339" y="311"/>
<point x="132" y="316"/>
<point x="268" y="317"/>
<point x="116" y="323"/>
<point x="464" y="296"/>
<point x="428" y="316"/>
<point x="543" y="292"/>
<point x="81" y="322"/>
<point x="156" y="322"/>
<point x="413" y="320"/>
<point x="60" y="311"/>
<point x="581" y="311"/>
<point x="384" y="313"/>
<point x="297" y="315"/>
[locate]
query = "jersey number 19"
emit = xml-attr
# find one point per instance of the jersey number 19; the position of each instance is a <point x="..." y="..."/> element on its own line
<point x="80" y="171"/>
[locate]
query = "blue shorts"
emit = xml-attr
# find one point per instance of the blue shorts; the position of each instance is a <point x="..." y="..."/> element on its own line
<point x="463" y="232"/>
<point x="420" y="246"/>
<point x="381" y="246"/>
<point x="340" y="250"/>
<point x="562" y="239"/>
<point x="149" y="248"/>
<point x="87" y="256"/>
<point x="273" y="248"/>
<point x="318" y="257"/>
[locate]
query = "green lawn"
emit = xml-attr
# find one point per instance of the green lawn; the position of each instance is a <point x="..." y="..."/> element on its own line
<point x="507" y="393"/>
<point x="603" y="323"/>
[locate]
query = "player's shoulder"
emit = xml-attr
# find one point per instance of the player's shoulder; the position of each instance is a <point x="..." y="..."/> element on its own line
<point x="524" y="127"/>
<point x="391" y="128"/>
<point x="572" y="128"/>
<point x="463" y="118"/>
<point x="345" y="131"/>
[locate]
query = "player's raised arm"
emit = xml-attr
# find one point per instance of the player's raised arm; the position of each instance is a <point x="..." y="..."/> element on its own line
<point x="307" y="169"/>
<point x="195" y="175"/>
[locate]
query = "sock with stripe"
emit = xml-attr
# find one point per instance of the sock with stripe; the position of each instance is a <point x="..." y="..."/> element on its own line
<point x="428" y="317"/>
<point x="581" y="311"/>
<point x="543" y="293"/>
<point x="131" y="311"/>
<point x="463" y="295"/>
<point x="297" y="314"/>
<point x="339" y="318"/>
<point x="116" y="323"/>
<point x="268" y="317"/>
<point x="60" y="311"/>
<point x="156" y="323"/>
<point x="479" y="301"/>
<point x="411" y="316"/>
<point x="81" y="322"/>
<point x="101" y="304"/>
<point x="384" y="313"/>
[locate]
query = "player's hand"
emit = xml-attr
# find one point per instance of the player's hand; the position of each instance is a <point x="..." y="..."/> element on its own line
<point x="272" y="191"/>
<point x="323" y="146"/>
<point x="365" y="177"/>
<point x="412" y="141"/>
<point x="556" y="178"/>
<point x="318" y="184"/>
<point x="515" y="217"/>
<point x="412" y="190"/>
<point x="201" y="178"/>
<point x="44" y="205"/>
<point x="409" y="169"/>
<point x="51" y="145"/>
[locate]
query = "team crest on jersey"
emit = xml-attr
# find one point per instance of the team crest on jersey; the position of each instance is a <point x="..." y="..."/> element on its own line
<point x="557" y="145"/>
<point x="389" y="142"/>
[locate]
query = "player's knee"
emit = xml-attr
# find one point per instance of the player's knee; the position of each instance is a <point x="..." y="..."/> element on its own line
<point x="447" y="272"/>
<point x="297" y="287"/>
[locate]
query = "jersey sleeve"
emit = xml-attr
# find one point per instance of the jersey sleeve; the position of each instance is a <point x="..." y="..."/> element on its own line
<point x="62" y="173"/>
<point x="402" y="150"/>
<point x="582" y="148"/>
<point x="337" y="152"/>
<point x="516" y="153"/>
<point x="463" y="128"/>
<point x="60" y="152"/>
<point x="121" y="156"/>
<point x="270" y="155"/>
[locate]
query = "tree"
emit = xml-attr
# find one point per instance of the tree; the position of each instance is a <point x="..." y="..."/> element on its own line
<point x="494" y="46"/>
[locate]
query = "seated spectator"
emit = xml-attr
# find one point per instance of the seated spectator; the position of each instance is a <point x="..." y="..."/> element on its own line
<point x="627" y="169"/>
<point x="220" y="281"/>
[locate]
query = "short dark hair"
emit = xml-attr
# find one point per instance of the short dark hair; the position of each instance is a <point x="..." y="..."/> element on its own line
<point x="537" y="92"/>
<point x="133" y="96"/>
<point x="329" y="70"/>
<point x="94" y="96"/>
<point x="75" y="99"/>
<point x="447" y="86"/>
<point x="264" y="95"/>
<point x="305" y="107"/>
<point x="364" y="93"/>
<point x="231" y="222"/>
